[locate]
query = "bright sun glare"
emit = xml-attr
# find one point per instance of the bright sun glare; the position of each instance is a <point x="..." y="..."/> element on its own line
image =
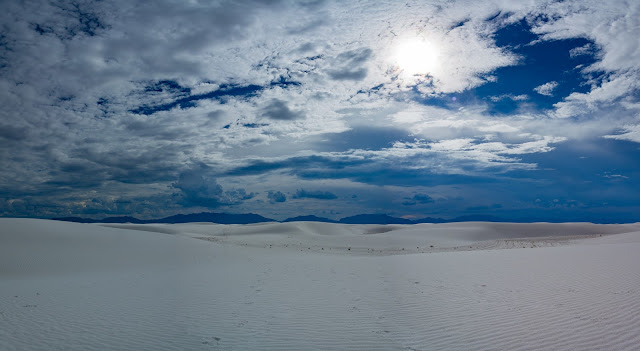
<point x="417" y="56"/>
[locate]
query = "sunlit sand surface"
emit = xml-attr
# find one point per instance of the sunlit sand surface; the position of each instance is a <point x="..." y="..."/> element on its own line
<point x="319" y="286"/>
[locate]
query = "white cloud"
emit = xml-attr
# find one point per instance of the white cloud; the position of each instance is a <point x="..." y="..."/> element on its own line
<point x="71" y="76"/>
<point x="615" y="176"/>
<point x="464" y="155"/>
<point x="612" y="25"/>
<point x="586" y="49"/>
<point x="521" y="97"/>
<point x="546" y="88"/>
<point x="629" y="133"/>
<point x="600" y="97"/>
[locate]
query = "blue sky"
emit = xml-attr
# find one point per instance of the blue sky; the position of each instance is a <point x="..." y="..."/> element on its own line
<point x="525" y="110"/>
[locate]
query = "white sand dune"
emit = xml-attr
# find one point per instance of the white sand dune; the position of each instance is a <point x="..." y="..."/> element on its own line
<point x="319" y="286"/>
<point x="388" y="239"/>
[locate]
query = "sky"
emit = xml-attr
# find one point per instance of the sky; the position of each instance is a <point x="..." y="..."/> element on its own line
<point x="524" y="110"/>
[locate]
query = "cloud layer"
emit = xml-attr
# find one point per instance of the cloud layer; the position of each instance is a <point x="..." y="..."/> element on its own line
<point x="287" y="108"/>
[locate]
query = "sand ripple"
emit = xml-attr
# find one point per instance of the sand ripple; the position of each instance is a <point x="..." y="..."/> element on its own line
<point x="581" y="295"/>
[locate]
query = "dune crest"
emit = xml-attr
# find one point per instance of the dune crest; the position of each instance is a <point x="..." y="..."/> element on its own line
<point x="374" y="239"/>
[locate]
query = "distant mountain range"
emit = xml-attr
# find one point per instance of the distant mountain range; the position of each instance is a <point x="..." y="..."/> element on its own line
<point x="248" y="218"/>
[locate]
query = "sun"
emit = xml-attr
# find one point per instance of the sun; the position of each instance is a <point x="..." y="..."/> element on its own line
<point x="417" y="56"/>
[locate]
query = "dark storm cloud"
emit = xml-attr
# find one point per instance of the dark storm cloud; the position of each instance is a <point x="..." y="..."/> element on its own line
<point x="381" y="174"/>
<point x="13" y="133"/>
<point x="240" y="194"/>
<point x="349" y="65"/>
<point x="320" y="162"/>
<point x="197" y="188"/>
<point x="417" y="199"/>
<point x="278" y="110"/>
<point x="98" y="205"/>
<point x="276" y="197"/>
<point x="151" y="164"/>
<point x="78" y="174"/>
<point x="317" y="194"/>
